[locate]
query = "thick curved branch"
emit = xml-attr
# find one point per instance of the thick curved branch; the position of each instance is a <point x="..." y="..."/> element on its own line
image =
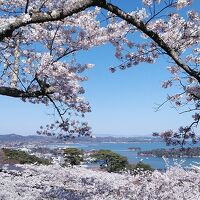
<point x="6" y="31"/>
<point x="41" y="17"/>
<point x="154" y="36"/>
<point x="14" y="92"/>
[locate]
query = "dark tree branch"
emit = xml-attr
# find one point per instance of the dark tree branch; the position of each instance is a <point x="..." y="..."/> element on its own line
<point x="82" y="5"/>
<point x="52" y="42"/>
<point x="27" y="4"/>
<point x="67" y="52"/>
<point x="154" y="36"/>
<point x="189" y="129"/>
<point x="157" y="13"/>
<point x="42" y="17"/>
<point x="56" y="107"/>
<point x="14" y="92"/>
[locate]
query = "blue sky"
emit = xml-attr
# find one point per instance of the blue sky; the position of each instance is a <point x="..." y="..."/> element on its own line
<point x="123" y="103"/>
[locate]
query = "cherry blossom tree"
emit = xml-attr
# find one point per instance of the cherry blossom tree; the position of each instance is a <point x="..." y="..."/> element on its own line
<point x="39" y="41"/>
<point x="55" y="182"/>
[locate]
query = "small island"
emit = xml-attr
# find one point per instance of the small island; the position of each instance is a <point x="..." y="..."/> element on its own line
<point x="172" y="153"/>
<point x="134" y="148"/>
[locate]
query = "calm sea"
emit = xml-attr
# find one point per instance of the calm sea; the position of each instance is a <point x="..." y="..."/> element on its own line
<point x="122" y="148"/>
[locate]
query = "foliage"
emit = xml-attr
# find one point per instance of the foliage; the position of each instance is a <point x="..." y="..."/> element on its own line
<point x="73" y="156"/>
<point x="23" y="157"/>
<point x="138" y="168"/>
<point x="50" y="74"/>
<point x="174" y="152"/>
<point x="112" y="161"/>
<point x="143" y="166"/>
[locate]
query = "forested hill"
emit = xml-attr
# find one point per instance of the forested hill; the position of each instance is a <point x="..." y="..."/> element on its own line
<point x="174" y="152"/>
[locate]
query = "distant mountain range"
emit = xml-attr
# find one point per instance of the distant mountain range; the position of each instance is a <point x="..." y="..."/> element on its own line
<point x="116" y="139"/>
<point x="14" y="138"/>
<point x="20" y="138"/>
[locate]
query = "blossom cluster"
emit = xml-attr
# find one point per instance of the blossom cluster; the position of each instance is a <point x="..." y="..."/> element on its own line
<point x="30" y="182"/>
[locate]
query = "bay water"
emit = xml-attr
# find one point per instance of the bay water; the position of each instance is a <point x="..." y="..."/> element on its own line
<point x="123" y="149"/>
